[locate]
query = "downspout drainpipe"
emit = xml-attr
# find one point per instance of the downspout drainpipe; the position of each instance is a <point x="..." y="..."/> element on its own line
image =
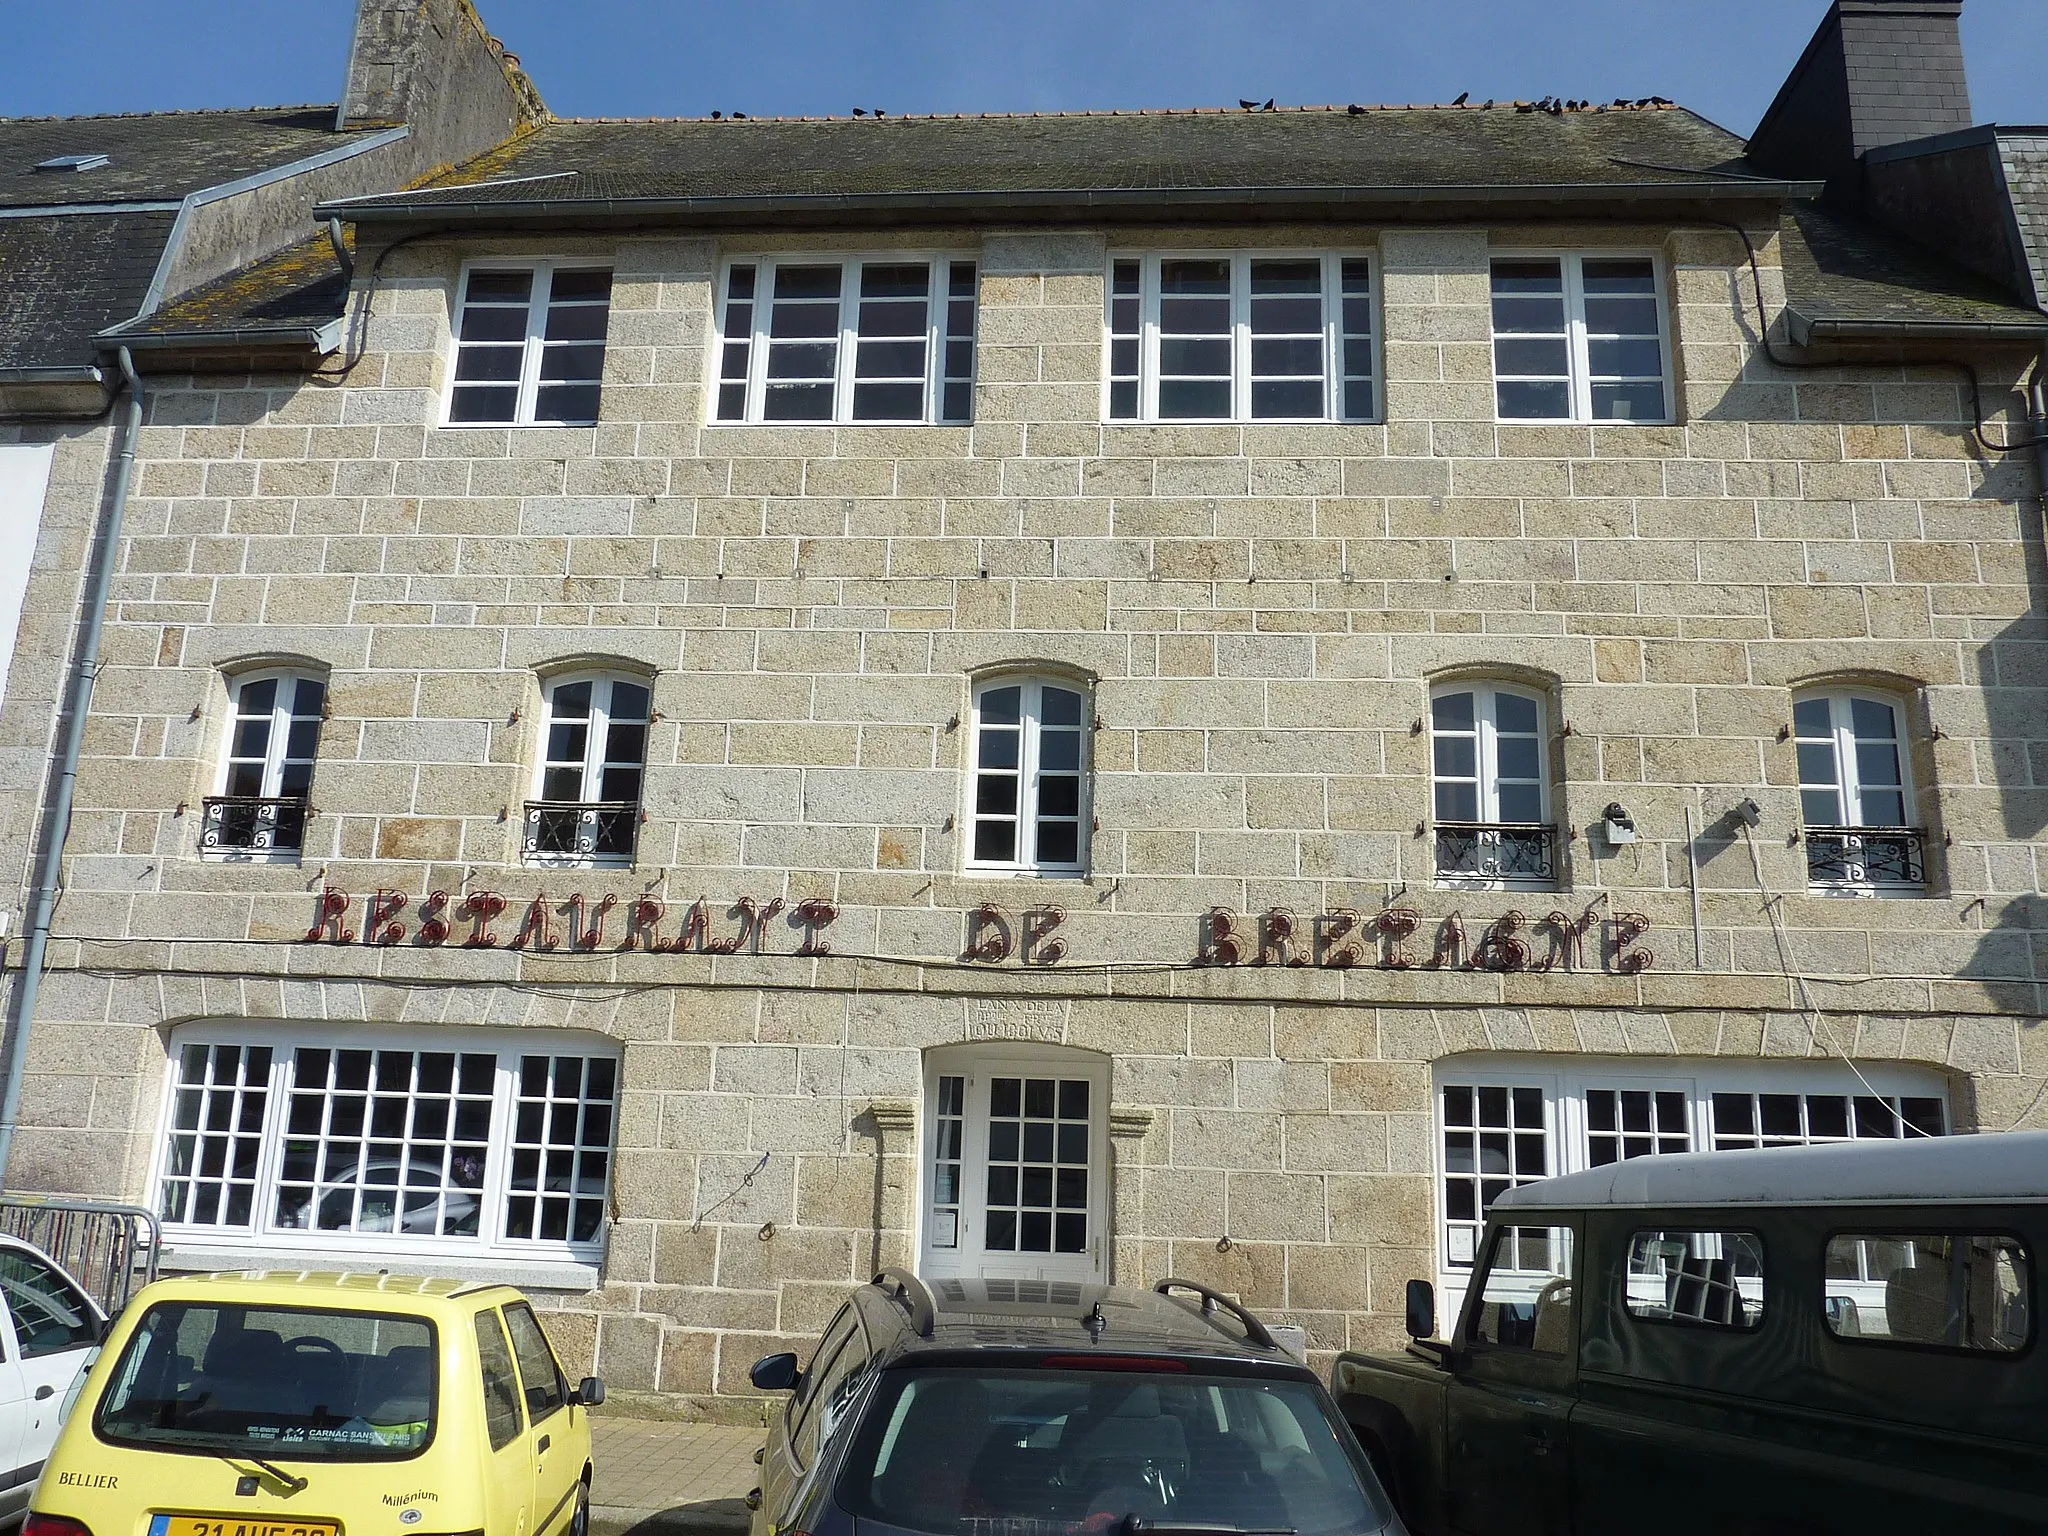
<point x="50" y="864"/>
<point x="2038" y="399"/>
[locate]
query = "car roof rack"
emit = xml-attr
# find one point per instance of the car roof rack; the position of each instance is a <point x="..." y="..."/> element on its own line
<point x="912" y="1294"/>
<point x="1211" y="1300"/>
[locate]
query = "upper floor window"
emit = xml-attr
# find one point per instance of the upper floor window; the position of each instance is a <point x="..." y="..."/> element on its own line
<point x="1242" y="338"/>
<point x="266" y="772"/>
<point x="1028" y="794"/>
<point x="1855" y="796"/>
<point x="1490" y="793"/>
<point x="587" y="788"/>
<point x="1579" y="338"/>
<point x="529" y="347"/>
<point x="888" y="339"/>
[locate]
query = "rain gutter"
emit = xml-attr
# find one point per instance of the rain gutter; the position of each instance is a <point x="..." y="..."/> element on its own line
<point x="1806" y="330"/>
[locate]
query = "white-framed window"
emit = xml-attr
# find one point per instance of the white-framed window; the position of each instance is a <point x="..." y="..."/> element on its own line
<point x="1580" y="337"/>
<point x="258" y="810"/>
<point x="1015" y="1163"/>
<point x="1490" y="787"/>
<point x="1028" y="793"/>
<point x="1856" y="793"/>
<point x="1503" y="1122"/>
<point x="586" y="805"/>
<point x="529" y="347"/>
<point x="882" y="338"/>
<point x="1242" y="336"/>
<point x="436" y="1142"/>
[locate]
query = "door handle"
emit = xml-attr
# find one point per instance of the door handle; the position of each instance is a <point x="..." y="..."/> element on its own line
<point x="45" y="1390"/>
<point x="545" y="1442"/>
<point x="1539" y="1442"/>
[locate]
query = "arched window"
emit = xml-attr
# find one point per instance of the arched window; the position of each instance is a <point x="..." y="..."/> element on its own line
<point x="1490" y="789"/>
<point x="1856" y="793"/>
<point x="586" y="808"/>
<point x="266" y="771"/>
<point x="1029" y="793"/>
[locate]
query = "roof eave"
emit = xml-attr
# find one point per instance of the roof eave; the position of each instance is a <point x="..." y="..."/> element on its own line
<point x="1810" y="330"/>
<point x="412" y="211"/>
<point x="317" y="339"/>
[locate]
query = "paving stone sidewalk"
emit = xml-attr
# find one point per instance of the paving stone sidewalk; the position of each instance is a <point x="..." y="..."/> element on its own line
<point x="655" y="1478"/>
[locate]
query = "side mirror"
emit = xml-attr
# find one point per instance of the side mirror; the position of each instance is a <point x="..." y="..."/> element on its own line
<point x="589" y="1392"/>
<point x="775" y="1373"/>
<point x="1421" y="1310"/>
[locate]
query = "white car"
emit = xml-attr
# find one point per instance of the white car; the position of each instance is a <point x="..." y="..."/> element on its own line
<point x="50" y="1330"/>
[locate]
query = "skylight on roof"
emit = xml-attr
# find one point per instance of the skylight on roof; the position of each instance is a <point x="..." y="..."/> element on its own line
<point x="73" y="163"/>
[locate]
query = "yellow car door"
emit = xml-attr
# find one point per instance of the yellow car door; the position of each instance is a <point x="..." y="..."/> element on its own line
<point x="508" y="1459"/>
<point x="558" y="1461"/>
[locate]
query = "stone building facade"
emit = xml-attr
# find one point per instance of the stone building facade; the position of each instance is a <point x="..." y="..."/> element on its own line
<point x="1447" y="792"/>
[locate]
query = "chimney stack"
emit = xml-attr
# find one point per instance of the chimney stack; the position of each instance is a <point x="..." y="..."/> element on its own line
<point x="431" y="65"/>
<point x="1878" y="72"/>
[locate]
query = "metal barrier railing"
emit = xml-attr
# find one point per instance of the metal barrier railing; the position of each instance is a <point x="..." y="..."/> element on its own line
<point x="110" y="1249"/>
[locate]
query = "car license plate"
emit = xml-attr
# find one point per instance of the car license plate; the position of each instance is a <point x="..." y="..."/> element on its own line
<point x="239" y="1525"/>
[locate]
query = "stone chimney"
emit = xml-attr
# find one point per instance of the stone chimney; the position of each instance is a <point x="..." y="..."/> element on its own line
<point x="432" y="66"/>
<point x="1878" y="72"/>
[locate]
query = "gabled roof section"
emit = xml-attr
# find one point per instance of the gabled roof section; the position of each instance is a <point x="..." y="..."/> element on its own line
<point x="156" y="156"/>
<point x="292" y="300"/>
<point x="1017" y="167"/>
<point x="1848" y="278"/>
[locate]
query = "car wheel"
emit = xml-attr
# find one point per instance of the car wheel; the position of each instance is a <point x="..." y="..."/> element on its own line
<point x="579" y="1523"/>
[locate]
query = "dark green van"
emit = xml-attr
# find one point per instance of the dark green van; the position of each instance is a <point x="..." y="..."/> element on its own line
<point x="1807" y="1340"/>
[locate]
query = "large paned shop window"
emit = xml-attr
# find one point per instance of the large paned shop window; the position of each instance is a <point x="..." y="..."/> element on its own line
<point x="1242" y="337"/>
<point x="1490" y="790"/>
<point x="586" y="809"/>
<point x="485" y="1145"/>
<point x="1504" y="1125"/>
<point x="1856" y="796"/>
<point x="1028" y="795"/>
<point x="880" y="339"/>
<point x="1579" y="338"/>
<point x="529" y="346"/>
<point x="266" y="771"/>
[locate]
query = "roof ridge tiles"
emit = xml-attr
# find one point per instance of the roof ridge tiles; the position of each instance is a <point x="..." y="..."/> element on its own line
<point x="100" y="117"/>
<point x="1501" y="105"/>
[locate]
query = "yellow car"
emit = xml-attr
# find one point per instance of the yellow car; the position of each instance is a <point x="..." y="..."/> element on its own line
<point x="322" y="1405"/>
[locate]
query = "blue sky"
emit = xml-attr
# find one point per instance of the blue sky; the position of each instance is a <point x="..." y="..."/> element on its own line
<point x="1724" y="58"/>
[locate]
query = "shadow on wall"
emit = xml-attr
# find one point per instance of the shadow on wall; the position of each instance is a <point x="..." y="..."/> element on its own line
<point x="2013" y="670"/>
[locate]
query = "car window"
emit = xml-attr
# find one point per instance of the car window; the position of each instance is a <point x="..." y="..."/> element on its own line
<point x="1710" y="1278"/>
<point x="546" y="1391"/>
<point x="1945" y="1290"/>
<point x="839" y="1352"/>
<point x="50" y="1315"/>
<point x="501" y="1383"/>
<point x="1526" y="1294"/>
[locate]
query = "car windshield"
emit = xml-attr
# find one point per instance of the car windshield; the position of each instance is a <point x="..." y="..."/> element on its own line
<point x="1079" y="1453"/>
<point x="291" y="1383"/>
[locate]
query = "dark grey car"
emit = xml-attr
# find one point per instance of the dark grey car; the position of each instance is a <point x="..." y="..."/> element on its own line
<point x="1044" y="1408"/>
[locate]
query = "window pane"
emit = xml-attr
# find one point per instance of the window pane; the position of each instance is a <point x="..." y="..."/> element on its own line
<point x="1185" y="400"/>
<point x="797" y="402"/>
<point x="1526" y="1297"/>
<point x="1294" y="355"/>
<point x="1452" y="711"/>
<point x="577" y="322"/>
<point x="1001" y="706"/>
<point x="1627" y="402"/>
<point x="566" y="403"/>
<point x="995" y="842"/>
<point x="491" y="323"/>
<point x="888" y="402"/>
<point x="1512" y="712"/>
<point x="1522" y="400"/>
<point x="1538" y="355"/>
<point x="1457" y="802"/>
<point x="586" y="286"/>
<point x="1942" y="1291"/>
<point x="1624" y="359"/>
<point x="1059" y="842"/>
<point x="1288" y="399"/>
<point x="1710" y="1279"/>
<point x="499" y="287"/>
<point x="1810" y="717"/>
<point x="571" y="363"/>
<point x="470" y="406"/>
<point x="1627" y="275"/>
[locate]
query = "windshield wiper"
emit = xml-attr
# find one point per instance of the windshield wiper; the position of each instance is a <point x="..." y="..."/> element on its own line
<point x="1138" y="1525"/>
<point x="292" y="1483"/>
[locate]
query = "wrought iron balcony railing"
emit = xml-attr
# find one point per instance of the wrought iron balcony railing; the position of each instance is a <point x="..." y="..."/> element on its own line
<point x="249" y="824"/>
<point x="570" y="829"/>
<point x="1859" y="858"/>
<point x="1512" y="852"/>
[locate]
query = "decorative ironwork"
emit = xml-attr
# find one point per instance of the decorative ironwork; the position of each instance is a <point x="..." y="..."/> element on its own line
<point x="1862" y="857"/>
<point x="1521" y="853"/>
<point x="250" y="824"/>
<point x="569" y="829"/>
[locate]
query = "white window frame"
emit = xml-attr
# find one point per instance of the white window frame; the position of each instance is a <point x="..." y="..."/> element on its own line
<point x="937" y="299"/>
<point x="276" y="756"/>
<point x="1566" y="1084"/>
<point x="1240" y="327"/>
<point x="977" y="1065"/>
<point x="1848" y="784"/>
<point x="354" y="1249"/>
<point x="1578" y="356"/>
<point x="1486" y="732"/>
<point x="596" y="743"/>
<point x="1027" y="862"/>
<point x="543" y="269"/>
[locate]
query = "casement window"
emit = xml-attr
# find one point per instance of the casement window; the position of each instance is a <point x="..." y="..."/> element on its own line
<point x="1490" y="789"/>
<point x="1029" y="785"/>
<point x="1509" y="1123"/>
<point x="586" y="808"/>
<point x="529" y="347"/>
<point x="1580" y="338"/>
<point x="1242" y="337"/>
<point x="887" y="339"/>
<point x="1015" y="1162"/>
<point x="333" y="1142"/>
<point x="266" y="771"/>
<point x="1855" y="795"/>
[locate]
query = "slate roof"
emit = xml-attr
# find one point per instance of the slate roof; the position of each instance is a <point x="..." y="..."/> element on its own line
<point x="1098" y="162"/>
<point x="1839" y="271"/>
<point x="287" y="296"/>
<point x="156" y="156"/>
<point x="64" y="278"/>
